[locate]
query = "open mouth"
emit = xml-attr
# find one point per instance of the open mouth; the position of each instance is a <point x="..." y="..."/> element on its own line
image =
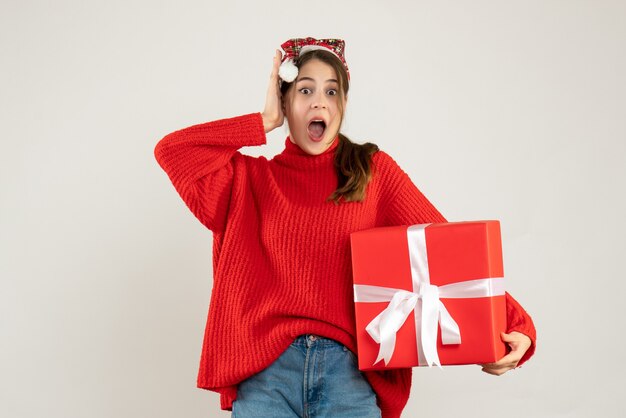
<point x="316" y="129"/>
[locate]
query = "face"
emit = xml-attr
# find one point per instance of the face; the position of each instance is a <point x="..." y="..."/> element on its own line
<point x="312" y="109"/>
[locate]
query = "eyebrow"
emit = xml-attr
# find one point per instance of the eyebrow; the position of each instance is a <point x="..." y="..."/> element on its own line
<point x="330" y="80"/>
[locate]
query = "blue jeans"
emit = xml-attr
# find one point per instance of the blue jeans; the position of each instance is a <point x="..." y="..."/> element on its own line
<point x="315" y="377"/>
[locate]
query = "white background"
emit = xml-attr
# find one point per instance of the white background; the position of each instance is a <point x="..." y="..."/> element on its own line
<point x="509" y="110"/>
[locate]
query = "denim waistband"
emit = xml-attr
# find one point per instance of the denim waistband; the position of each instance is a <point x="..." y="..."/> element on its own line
<point x="309" y="340"/>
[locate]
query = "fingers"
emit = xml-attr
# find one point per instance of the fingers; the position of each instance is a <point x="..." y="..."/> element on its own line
<point x="509" y="359"/>
<point x="500" y="367"/>
<point x="278" y="56"/>
<point x="505" y="364"/>
<point x="274" y="88"/>
<point x="518" y="343"/>
<point x="272" y="113"/>
<point x="515" y="336"/>
<point x="496" y="372"/>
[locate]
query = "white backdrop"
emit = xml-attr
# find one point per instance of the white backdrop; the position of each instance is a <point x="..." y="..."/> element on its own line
<point x="503" y="110"/>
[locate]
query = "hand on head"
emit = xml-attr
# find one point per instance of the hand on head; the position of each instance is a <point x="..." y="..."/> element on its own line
<point x="272" y="114"/>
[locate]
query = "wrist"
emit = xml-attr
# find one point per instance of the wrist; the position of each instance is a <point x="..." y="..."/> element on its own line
<point x="266" y="123"/>
<point x="270" y="123"/>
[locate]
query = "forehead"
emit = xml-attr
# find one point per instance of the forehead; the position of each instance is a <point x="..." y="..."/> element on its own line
<point x="317" y="70"/>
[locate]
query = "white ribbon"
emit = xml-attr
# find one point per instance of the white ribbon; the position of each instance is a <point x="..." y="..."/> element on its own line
<point x="425" y="301"/>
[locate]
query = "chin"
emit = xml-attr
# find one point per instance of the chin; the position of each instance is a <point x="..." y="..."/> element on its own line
<point x="315" y="150"/>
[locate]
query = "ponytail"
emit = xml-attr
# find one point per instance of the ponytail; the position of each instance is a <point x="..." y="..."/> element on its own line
<point x="353" y="163"/>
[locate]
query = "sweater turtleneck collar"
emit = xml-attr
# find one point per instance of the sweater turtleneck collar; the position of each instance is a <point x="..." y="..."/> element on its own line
<point x="294" y="149"/>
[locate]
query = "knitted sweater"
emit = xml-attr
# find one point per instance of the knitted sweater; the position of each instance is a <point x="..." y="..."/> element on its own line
<point x="281" y="251"/>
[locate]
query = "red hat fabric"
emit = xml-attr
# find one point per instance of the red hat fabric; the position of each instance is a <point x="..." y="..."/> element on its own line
<point x="297" y="46"/>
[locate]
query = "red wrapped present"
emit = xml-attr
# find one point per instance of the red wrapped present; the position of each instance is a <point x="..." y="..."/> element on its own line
<point x="429" y="294"/>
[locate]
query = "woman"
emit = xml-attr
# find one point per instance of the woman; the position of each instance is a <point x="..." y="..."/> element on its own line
<point x="280" y="335"/>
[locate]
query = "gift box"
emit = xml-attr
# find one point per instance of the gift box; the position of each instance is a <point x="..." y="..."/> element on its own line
<point x="430" y="294"/>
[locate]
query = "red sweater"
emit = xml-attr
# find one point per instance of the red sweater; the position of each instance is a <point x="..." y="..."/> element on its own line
<point x="281" y="252"/>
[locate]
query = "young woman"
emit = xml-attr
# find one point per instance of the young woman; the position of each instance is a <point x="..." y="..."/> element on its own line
<point x="280" y="335"/>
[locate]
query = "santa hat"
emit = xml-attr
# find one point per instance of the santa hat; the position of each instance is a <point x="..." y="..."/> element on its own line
<point x="294" y="48"/>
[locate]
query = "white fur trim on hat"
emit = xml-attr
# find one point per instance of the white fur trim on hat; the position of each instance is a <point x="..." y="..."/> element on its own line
<point x="288" y="70"/>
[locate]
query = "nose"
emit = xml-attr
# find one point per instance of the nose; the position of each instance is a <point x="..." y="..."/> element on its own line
<point x="319" y="101"/>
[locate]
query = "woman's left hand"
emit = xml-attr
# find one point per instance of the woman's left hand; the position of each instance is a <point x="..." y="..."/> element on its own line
<point x="519" y="344"/>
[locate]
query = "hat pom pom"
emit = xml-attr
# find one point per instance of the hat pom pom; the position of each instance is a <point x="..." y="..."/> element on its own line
<point x="288" y="71"/>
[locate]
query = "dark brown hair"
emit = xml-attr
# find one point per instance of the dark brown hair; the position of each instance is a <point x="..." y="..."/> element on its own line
<point x="353" y="162"/>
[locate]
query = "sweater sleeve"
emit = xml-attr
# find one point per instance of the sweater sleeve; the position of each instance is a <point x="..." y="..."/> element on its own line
<point x="201" y="161"/>
<point x="518" y="320"/>
<point x="403" y="203"/>
<point x="406" y="205"/>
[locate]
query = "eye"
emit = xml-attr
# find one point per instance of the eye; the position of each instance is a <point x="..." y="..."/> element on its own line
<point x="332" y="92"/>
<point x="305" y="90"/>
